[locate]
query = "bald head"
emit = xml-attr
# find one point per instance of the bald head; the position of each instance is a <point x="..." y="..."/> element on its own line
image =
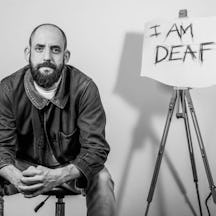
<point x="48" y="28"/>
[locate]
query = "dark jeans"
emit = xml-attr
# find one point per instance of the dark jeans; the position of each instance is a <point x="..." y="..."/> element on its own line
<point x="100" y="198"/>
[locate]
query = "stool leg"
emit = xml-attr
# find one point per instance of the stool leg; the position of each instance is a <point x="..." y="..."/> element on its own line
<point x="60" y="207"/>
<point x="1" y="206"/>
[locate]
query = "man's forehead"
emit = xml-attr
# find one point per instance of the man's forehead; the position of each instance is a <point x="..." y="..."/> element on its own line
<point x="48" y="34"/>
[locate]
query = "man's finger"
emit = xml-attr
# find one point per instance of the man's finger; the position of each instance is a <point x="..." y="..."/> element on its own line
<point x="26" y="189"/>
<point x="31" y="172"/>
<point x="31" y="180"/>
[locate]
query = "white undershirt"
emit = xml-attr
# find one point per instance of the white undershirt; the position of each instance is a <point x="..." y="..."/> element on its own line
<point x="47" y="93"/>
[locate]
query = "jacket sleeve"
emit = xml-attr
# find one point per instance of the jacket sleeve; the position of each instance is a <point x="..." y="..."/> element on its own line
<point x="7" y="127"/>
<point x="91" y="123"/>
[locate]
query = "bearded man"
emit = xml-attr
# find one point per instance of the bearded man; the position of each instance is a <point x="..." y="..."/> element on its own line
<point x="52" y="126"/>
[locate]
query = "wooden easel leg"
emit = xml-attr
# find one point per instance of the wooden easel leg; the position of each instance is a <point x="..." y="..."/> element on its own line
<point x="201" y="145"/>
<point x="161" y="150"/>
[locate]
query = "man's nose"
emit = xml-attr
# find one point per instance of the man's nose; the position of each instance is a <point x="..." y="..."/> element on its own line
<point x="47" y="55"/>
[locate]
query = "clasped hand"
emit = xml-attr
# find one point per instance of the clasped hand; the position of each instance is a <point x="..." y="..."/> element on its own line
<point x="37" y="180"/>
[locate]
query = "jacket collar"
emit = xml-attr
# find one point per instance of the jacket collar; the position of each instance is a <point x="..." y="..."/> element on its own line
<point x="60" y="99"/>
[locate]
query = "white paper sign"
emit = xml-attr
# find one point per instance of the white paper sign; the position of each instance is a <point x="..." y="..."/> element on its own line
<point x="180" y="52"/>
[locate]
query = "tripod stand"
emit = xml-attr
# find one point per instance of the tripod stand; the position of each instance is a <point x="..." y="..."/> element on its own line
<point x="181" y="96"/>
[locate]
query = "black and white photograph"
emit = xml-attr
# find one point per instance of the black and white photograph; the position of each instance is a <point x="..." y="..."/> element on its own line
<point x="107" y="108"/>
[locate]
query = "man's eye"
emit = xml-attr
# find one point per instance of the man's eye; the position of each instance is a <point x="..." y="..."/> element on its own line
<point x="56" y="50"/>
<point x="39" y="49"/>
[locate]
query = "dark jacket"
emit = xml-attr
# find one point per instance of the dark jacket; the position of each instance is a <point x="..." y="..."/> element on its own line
<point x="72" y="124"/>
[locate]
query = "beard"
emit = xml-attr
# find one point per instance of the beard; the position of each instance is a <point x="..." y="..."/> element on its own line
<point x="46" y="80"/>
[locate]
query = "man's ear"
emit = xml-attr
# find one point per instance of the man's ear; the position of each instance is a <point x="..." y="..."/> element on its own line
<point x="66" y="56"/>
<point x="27" y="53"/>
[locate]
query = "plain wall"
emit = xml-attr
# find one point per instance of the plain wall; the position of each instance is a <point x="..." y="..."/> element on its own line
<point x="105" y="39"/>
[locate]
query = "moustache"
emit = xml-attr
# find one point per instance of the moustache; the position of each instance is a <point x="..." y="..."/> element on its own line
<point x="46" y="64"/>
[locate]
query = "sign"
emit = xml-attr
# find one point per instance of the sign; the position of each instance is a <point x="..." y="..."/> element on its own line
<point x="180" y="52"/>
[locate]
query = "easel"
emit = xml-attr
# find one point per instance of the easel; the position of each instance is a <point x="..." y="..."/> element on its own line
<point x="182" y="97"/>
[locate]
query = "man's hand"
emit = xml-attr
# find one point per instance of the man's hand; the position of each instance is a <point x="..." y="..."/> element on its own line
<point x="37" y="180"/>
<point x="13" y="175"/>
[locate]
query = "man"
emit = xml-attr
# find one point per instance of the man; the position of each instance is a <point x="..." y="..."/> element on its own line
<point x="52" y="126"/>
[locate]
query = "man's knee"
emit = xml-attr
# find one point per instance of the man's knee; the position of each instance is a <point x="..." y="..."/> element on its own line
<point x="100" y="194"/>
<point x="103" y="179"/>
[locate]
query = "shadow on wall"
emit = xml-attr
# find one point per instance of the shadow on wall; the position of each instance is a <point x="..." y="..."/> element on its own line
<point x="150" y="99"/>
